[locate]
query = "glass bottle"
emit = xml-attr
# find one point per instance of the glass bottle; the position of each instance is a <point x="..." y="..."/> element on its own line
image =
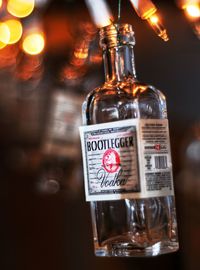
<point x="127" y="221"/>
<point x="60" y="147"/>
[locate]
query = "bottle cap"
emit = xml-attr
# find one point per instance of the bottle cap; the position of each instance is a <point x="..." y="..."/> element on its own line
<point x="116" y="34"/>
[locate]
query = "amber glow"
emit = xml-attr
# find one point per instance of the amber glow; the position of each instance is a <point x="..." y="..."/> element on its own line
<point x="155" y="23"/>
<point x="29" y="67"/>
<point x="33" y="44"/>
<point x="154" y="19"/>
<point x="81" y="51"/>
<point x="20" y="8"/>
<point x="15" y="28"/>
<point x="148" y="14"/>
<point x="0" y="3"/>
<point x="2" y="45"/>
<point x="4" y="35"/>
<point x="192" y="10"/>
<point x="144" y="8"/>
<point x="139" y="89"/>
<point x="8" y="56"/>
<point x="96" y="58"/>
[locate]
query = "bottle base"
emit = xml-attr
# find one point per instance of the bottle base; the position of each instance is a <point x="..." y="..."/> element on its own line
<point x="130" y="250"/>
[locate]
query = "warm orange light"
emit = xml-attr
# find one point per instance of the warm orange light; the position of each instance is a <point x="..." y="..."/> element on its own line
<point x="155" y="23"/>
<point x="15" y="28"/>
<point x="33" y="43"/>
<point x="96" y="58"/>
<point x="81" y="51"/>
<point x="192" y="10"/>
<point x="20" y="8"/>
<point x="144" y="8"/>
<point x="154" y="19"/>
<point x="0" y="3"/>
<point x="4" y="35"/>
<point x="2" y="45"/>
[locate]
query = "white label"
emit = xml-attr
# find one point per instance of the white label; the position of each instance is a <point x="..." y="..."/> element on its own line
<point x="127" y="159"/>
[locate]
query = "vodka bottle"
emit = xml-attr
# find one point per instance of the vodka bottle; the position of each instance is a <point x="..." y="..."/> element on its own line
<point x="126" y="157"/>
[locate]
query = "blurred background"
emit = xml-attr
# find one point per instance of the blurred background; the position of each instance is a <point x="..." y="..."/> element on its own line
<point x="49" y="60"/>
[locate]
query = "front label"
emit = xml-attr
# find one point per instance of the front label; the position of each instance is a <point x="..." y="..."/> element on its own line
<point x="126" y="159"/>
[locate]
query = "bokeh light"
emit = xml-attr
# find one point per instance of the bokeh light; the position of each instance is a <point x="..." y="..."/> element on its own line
<point x="20" y="8"/>
<point x="33" y="43"/>
<point x="4" y="35"/>
<point x="15" y="28"/>
<point x="193" y="10"/>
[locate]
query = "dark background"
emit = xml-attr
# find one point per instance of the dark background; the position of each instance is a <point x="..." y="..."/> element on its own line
<point x="53" y="231"/>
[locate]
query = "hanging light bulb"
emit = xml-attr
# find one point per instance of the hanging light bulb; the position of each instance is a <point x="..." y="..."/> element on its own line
<point x="15" y="29"/>
<point x="20" y="8"/>
<point x="99" y="12"/>
<point x="146" y="10"/>
<point x="155" y="23"/>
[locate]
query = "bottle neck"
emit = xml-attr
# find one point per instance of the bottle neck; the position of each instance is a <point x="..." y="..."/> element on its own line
<point x="119" y="63"/>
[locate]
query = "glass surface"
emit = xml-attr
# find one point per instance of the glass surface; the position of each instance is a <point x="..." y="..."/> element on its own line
<point x="136" y="227"/>
<point x="129" y="227"/>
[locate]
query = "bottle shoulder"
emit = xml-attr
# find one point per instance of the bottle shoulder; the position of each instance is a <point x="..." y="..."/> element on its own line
<point x="131" y="89"/>
<point x="123" y="100"/>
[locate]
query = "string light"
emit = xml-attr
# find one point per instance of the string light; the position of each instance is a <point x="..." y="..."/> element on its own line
<point x="146" y="10"/>
<point x="20" y="8"/>
<point x="155" y="23"/>
<point x="11" y="30"/>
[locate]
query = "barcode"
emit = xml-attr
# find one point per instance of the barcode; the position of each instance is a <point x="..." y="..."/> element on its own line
<point x="160" y="162"/>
